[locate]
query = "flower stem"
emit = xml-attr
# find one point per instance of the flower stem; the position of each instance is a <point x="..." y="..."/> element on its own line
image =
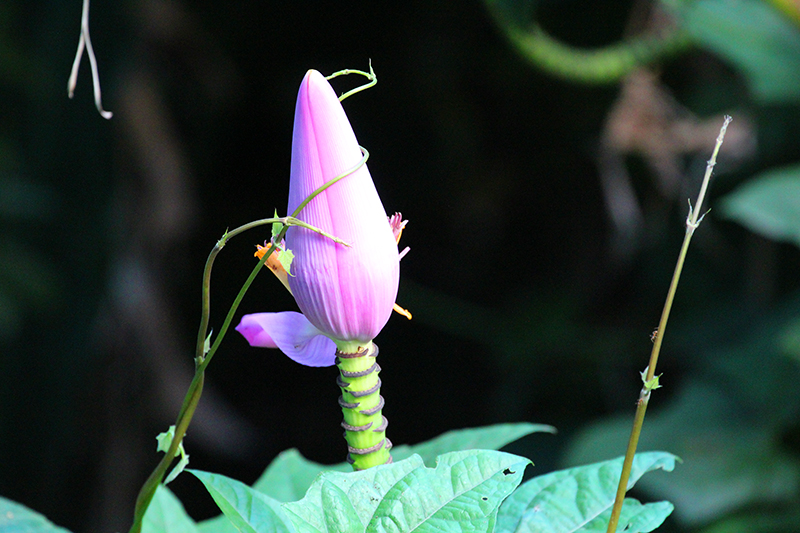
<point x="648" y="376"/>
<point x="362" y="408"/>
<point x="204" y="352"/>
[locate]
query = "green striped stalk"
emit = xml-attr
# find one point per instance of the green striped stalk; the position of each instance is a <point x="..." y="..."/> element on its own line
<point x="362" y="407"/>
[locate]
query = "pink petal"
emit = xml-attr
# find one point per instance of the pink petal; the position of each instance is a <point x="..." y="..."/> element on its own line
<point x="292" y="333"/>
<point x="347" y="292"/>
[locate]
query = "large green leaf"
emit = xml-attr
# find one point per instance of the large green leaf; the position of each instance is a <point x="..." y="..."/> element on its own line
<point x="461" y="494"/>
<point x="730" y="461"/>
<point x="769" y="204"/>
<point x="288" y="477"/>
<point x="16" y="518"/>
<point x="752" y="36"/>
<point x="569" y="500"/>
<point x="484" y="438"/>
<point x="248" y="510"/>
<point x="167" y="515"/>
<point x="218" y="524"/>
<point x="634" y="518"/>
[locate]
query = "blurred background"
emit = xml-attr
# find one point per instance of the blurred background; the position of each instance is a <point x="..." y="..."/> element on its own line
<point x="543" y="152"/>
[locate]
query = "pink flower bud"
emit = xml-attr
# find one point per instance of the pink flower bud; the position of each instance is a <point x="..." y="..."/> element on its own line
<point x="345" y="292"/>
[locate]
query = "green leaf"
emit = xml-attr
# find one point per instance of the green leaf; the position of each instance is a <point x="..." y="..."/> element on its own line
<point x="16" y="518"/>
<point x="288" y="477"/>
<point x="567" y="500"/>
<point x="286" y="257"/>
<point x="248" y="510"/>
<point x="364" y="488"/>
<point x="461" y="494"/>
<point x="276" y="226"/>
<point x="769" y="204"/>
<point x="634" y="518"/>
<point x="753" y="36"/>
<point x="167" y="515"/>
<point x="731" y="448"/>
<point x="164" y="442"/>
<point x="485" y="438"/>
<point x="218" y="524"/>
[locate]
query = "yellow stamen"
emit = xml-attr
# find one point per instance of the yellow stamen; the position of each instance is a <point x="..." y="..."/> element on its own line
<point x="402" y="311"/>
<point x="274" y="265"/>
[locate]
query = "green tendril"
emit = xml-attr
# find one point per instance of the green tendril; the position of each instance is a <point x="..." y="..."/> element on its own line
<point x="373" y="79"/>
<point x="204" y="352"/>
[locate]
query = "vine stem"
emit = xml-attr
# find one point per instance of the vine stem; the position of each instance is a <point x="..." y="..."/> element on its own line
<point x="204" y="352"/>
<point x="85" y="42"/>
<point x="650" y="380"/>
<point x="603" y="65"/>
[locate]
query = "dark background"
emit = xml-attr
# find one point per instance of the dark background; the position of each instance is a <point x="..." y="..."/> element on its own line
<point x="530" y="302"/>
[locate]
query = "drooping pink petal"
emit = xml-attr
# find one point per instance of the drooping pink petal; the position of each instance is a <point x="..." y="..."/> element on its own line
<point x="346" y="292"/>
<point x="292" y="333"/>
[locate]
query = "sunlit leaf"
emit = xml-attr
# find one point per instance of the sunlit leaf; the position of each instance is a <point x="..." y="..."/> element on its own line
<point x="288" y="477"/>
<point x="247" y="509"/>
<point x="483" y="438"/>
<point x="167" y="515"/>
<point x="634" y="518"/>
<point x="728" y="461"/>
<point x="462" y="493"/>
<point x="567" y="500"/>
<point x="16" y="518"/>
<point x="218" y="524"/>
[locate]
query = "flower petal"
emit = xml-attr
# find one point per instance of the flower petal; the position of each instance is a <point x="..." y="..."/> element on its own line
<point x="292" y="333"/>
<point x="347" y="292"/>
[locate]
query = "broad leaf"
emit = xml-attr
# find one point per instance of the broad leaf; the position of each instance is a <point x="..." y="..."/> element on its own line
<point x="750" y="468"/>
<point x="753" y="36"/>
<point x="484" y="438"/>
<point x="461" y="494"/>
<point x="167" y="515"/>
<point x="568" y="500"/>
<point x="248" y="510"/>
<point x="290" y="474"/>
<point x="218" y="524"/>
<point x="768" y="204"/>
<point x="16" y="518"/>
<point x="288" y="477"/>
<point x="634" y="518"/>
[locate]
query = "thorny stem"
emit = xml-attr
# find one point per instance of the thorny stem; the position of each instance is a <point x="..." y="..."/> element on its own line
<point x="86" y="42"/>
<point x="648" y="376"/>
<point x="203" y="356"/>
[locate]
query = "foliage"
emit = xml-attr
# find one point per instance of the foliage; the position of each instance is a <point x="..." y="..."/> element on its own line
<point x="485" y="152"/>
<point x="768" y="204"/>
<point x="16" y="518"/>
<point x="580" y="499"/>
<point x="753" y="36"/>
<point x="471" y="490"/>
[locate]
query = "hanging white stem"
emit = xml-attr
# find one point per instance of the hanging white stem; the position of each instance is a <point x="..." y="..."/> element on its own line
<point x="86" y="42"/>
